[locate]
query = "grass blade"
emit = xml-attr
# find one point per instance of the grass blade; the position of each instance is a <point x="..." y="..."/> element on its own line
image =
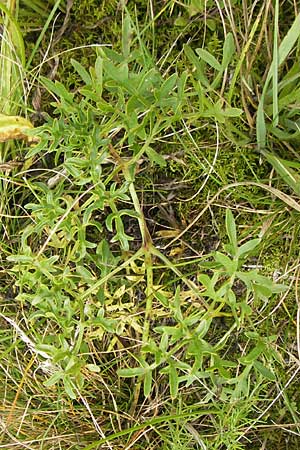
<point x="285" y="48"/>
<point x="275" y="66"/>
<point x="289" y="176"/>
<point x="45" y="27"/>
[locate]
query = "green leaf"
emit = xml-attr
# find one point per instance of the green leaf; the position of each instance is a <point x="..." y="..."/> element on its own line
<point x="167" y="86"/>
<point x="126" y="36"/>
<point x="99" y="74"/>
<point x="181" y="22"/>
<point x="147" y="383"/>
<point x="112" y="55"/>
<point x="155" y="157"/>
<point x="196" y="7"/>
<point x="231" y="230"/>
<point x="289" y="40"/>
<point x="198" y="347"/>
<point x="261" y="130"/>
<point x="69" y="387"/>
<point x="219" y="362"/>
<point x="248" y="247"/>
<point x="198" y="65"/>
<point x="134" y="372"/>
<point x="57" y="88"/>
<point x="266" y="373"/>
<point x="232" y="112"/>
<point x="203" y="328"/>
<point x="93" y="368"/>
<point x="107" y="324"/>
<point x="162" y="299"/>
<point x="231" y="297"/>
<point x="254" y="354"/>
<point x="229" y="264"/>
<point x="21" y="259"/>
<point x="119" y="74"/>
<point x="209" y="59"/>
<point x="175" y="332"/>
<point x="228" y="50"/>
<point x="173" y="380"/>
<point x="242" y="384"/>
<point x="181" y="84"/>
<point x="164" y="344"/>
<point x="85" y="274"/>
<point x="81" y="71"/>
<point x="54" y="379"/>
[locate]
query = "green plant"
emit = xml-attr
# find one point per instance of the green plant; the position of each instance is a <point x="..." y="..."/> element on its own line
<point x="111" y="334"/>
<point x="138" y="105"/>
<point x="200" y="359"/>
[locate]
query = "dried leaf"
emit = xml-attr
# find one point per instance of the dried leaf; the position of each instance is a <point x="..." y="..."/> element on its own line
<point x="15" y="127"/>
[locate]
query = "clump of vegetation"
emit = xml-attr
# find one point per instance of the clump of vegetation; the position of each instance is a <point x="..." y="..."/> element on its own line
<point x="150" y="223"/>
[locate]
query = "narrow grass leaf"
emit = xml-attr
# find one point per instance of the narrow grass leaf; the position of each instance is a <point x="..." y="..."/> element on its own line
<point x="42" y="34"/>
<point x="261" y="130"/>
<point x="37" y="7"/>
<point x="243" y="55"/>
<point x="149" y="423"/>
<point x="289" y="176"/>
<point x="289" y="40"/>
<point x="275" y="65"/>
<point x="15" y="34"/>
